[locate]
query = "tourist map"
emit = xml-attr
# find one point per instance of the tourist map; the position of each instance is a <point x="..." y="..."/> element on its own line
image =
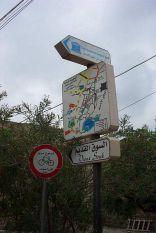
<point x="86" y="106"/>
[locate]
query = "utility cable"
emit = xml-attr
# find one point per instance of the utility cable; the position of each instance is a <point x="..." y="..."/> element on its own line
<point x="124" y="72"/>
<point x="13" y="13"/>
<point x="137" y="101"/>
<point x="53" y="107"/>
<point x="11" y="10"/>
<point x="133" y="67"/>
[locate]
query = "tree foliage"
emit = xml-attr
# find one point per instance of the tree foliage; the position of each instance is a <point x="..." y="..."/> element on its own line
<point x="129" y="186"/>
<point x="21" y="191"/>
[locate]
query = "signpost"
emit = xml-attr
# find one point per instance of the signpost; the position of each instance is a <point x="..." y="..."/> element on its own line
<point x="79" y="51"/>
<point x="45" y="162"/>
<point x="90" y="109"/>
<point x="94" y="151"/>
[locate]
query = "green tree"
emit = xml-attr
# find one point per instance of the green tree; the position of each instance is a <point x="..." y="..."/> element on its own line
<point x="68" y="199"/>
<point x="129" y="183"/>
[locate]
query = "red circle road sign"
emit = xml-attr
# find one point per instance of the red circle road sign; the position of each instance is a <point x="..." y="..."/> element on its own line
<point x="45" y="161"/>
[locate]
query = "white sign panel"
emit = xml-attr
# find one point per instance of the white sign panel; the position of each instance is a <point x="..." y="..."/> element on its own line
<point x="45" y="161"/>
<point x="81" y="52"/>
<point x="95" y="151"/>
<point x="89" y="102"/>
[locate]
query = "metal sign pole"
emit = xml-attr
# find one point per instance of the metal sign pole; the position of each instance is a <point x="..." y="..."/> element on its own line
<point x="43" y="206"/>
<point x="97" y="223"/>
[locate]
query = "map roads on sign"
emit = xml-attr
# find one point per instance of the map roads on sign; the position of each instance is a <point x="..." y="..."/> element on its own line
<point x="89" y="102"/>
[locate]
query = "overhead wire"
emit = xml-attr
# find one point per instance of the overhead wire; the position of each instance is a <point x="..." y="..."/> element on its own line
<point x="9" y="16"/>
<point x="4" y="16"/>
<point x="134" y="103"/>
<point x="137" y="101"/>
<point x="133" y="67"/>
<point x="124" y="72"/>
<point x="22" y="5"/>
<point x="14" y="14"/>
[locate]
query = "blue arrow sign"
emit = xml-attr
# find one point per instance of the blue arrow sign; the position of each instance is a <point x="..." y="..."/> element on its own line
<point x="82" y="52"/>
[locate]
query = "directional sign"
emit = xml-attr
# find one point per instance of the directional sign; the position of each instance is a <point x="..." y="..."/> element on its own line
<point x="95" y="151"/>
<point x="81" y="52"/>
<point x="45" y="161"/>
<point x="89" y="102"/>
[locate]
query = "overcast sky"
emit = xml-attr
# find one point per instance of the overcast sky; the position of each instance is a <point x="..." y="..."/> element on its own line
<point x="30" y="67"/>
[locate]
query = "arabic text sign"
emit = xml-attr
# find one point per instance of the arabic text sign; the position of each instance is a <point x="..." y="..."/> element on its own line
<point x="81" y="52"/>
<point x="89" y="102"/>
<point x="95" y="151"/>
<point x="45" y="161"/>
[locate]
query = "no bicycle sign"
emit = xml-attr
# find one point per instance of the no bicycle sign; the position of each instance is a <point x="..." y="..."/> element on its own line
<point x="45" y="161"/>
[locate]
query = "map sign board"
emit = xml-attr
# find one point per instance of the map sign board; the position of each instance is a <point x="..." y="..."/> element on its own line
<point x="89" y="102"/>
<point x="95" y="151"/>
<point x="81" y="52"/>
<point x="45" y="161"/>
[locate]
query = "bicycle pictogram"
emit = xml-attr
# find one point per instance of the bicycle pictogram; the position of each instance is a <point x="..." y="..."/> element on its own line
<point x="46" y="160"/>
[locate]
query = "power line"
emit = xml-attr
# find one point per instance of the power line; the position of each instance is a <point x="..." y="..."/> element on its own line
<point x="53" y="107"/>
<point x="18" y="8"/>
<point x="9" y="16"/>
<point x="137" y="101"/>
<point x="14" y="14"/>
<point x="11" y="10"/>
<point x="124" y="72"/>
<point x="133" y="67"/>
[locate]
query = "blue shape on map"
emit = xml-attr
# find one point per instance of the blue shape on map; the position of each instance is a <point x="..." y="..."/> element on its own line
<point x="88" y="124"/>
<point x="65" y="43"/>
<point x="75" y="47"/>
